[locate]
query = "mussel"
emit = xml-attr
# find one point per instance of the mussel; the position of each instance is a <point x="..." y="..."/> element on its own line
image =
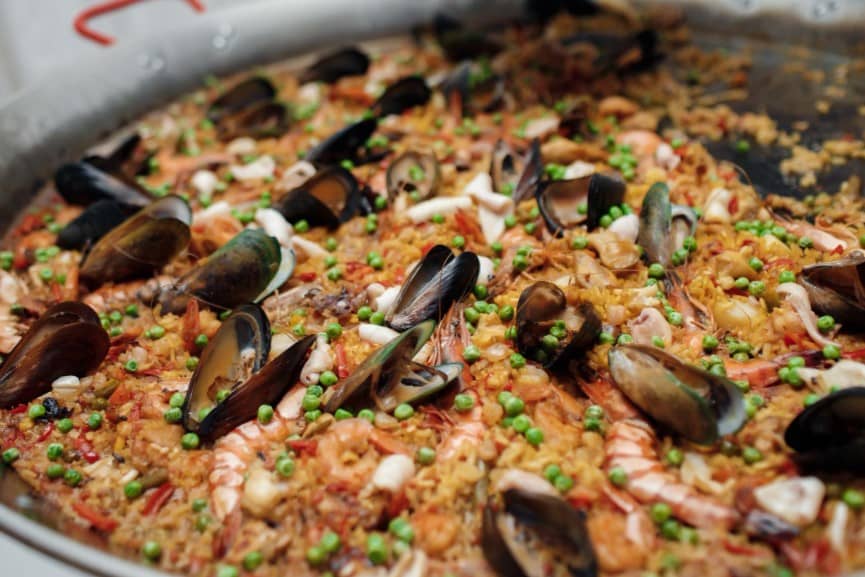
<point x="264" y="120"/>
<point x="332" y="196"/>
<point x="123" y="161"/>
<point x="683" y="225"/>
<point x="435" y="284"/>
<point x="335" y="65"/>
<point x="560" y="201"/>
<point x="506" y="167"/>
<point x="532" y="172"/>
<point x="697" y="404"/>
<point x="830" y="434"/>
<point x="548" y="329"/>
<point x="234" y="360"/>
<point x="403" y="94"/>
<point x="93" y="223"/>
<point x="534" y="532"/>
<point x="141" y="245"/>
<point x="82" y="183"/>
<point x="67" y="339"/>
<point x="459" y="43"/>
<point x="242" y="96"/>
<point x="415" y="173"/>
<point x="656" y="219"/>
<point x="390" y="377"/>
<point x="346" y="144"/>
<point x="837" y="288"/>
<point x="476" y="87"/>
<point x="246" y="269"/>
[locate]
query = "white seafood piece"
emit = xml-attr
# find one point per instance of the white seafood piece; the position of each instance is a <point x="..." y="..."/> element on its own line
<point x="649" y="324"/>
<point x="296" y="174"/>
<point x="375" y="290"/>
<point x="204" y="182"/>
<point x="393" y="472"/>
<point x="279" y="343"/>
<point x="442" y="205"/>
<point x="796" y="500"/>
<point x="666" y="157"/>
<point x="261" y="492"/>
<point x="717" y="206"/>
<point x="241" y="146"/>
<point x="411" y="564"/>
<point x="487" y="270"/>
<point x="696" y="472"/>
<point x="216" y="210"/>
<point x="320" y="360"/>
<point x="385" y="301"/>
<point x="275" y="225"/>
<point x="309" y="248"/>
<point x="65" y="384"/>
<point x="309" y="93"/>
<point x="626" y="226"/>
<point x="519" y="479"/>
<point x="842" y="375"/>
<point x="481" y="188"/>
<point x="541" y="127"/>
<point x="579" y="169"/>
<point x="376" y="334"/>
<point x="797" y="296"/>
<point x="836" y="531"/>
<point x="260" y="168"/>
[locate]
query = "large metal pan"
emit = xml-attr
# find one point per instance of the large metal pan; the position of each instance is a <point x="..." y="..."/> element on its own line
<point x="82" y="103"/>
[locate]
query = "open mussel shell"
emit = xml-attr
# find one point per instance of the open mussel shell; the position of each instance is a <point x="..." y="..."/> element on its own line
<point x="118" y="162"/>
<point x="247" y="94"/>
<point x="389" y="377"/>
<point x="559" y="201"/>
<point x="67" y="339"/>
<point x="246" y="269"/>
<point x="345" y="144"/>
<point x="414" y="173"/>
<point x="542" y="308"/>
<point x="533" y="171"/>
<point x="329" y="198"/>
<point x="837" y="288"/>
<point x="459" y="43"/>
<point x="141" y="245"/>
<point x="348" y="61"/>
<point x="475" y="95"/>
<point x="683" y="225"/>
<point x="830" y="434"/>
<point x="506" y="167"/>
<point x="93" y="223"/>
<point x="655" y="222"/>
<point x="435" y="284"/>
<point x="83" y="183"/>
<point x="535" y="532"/>
<point x="264" y="120"/>
<point x="403" y="94"/>
<point x="697" y="404"/>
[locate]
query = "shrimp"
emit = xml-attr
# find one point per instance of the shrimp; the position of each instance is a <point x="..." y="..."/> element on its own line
<point x="602" y="392"/>
<point x="468" y="428"/>
<point x="233" y="453"/>
<point x="630" y="447"/>
<point x="344" y="455"/>
<point x="759" y="373"/>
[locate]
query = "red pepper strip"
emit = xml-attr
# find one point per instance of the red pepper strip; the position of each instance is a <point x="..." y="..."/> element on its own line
<point x="94" y="517"/>
<point x="307" y="276"/>
<point x="17" y="410"/>
<point x="86" y="449"/>
<point x="46" y="433"/>
<point x="159" y="498"/>
<point x="81" y="20"/>
<point x="304" y="446"/>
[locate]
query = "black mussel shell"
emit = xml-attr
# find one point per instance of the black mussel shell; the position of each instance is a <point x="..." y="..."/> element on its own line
<point x="656" y="219"/>
<point x="542" y="308"/>
<point x="250" y="93"/>
<point x="544" y="10"/>
<point x="116" y="162"/>
<point x="82" y="183"/>
<point x="533" y="171"/>
<point x="329" y="198"/>
<point x="246" y="269"/>
<point x="346" y="144"/>
<point x="460" y="43"/>
<point x="93" y="223"/>
<point x="837" y="288"/>
<point x="435" y="284"/>
<point x="141" y="245"/>
<point x="697" y="404"/>
<point x="830" y="434"/>
<point x="389" y="377"/>
<point x="403" y="94"/>
<point x="264" y="120"/>
<point x="477" y="92"/>
<point x="415" y="173"/>
<point x="683" y="225"/>
<point x="331" y="67"/>
<point x="506" y="167"/>
<point x="68" y="339"/>
<point x="533" y="532"/>
<point x="559" y="201"/>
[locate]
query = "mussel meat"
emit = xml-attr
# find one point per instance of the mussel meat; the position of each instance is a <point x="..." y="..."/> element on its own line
<point x="234" y="360"/>
<point x="830" y="434"/>
<point x="534" y="532"/>
<point x="684" y="224"/>
<point x="141" y="245"/>
<point x="403" y="94"/>
<point x="264" y="120"/>
<point x="655" y="221"/>
<point x="247" y="94"/>
<point x="837" y="288"/>
<point x="435" y="284"/>
<point x="414" y="173"/>
<point x="697" y="404"/>
<point x="82" y="183"/>
<point x="560" y="201"/>
<point x="332" y="196"/>
<point x="348" y="61"/>
<point x="245" y="269"/>
<point x="390" y="377"/>
<point x="548" y="329"/>
<point x="93" y="223"/>
<point x="68" y="339"/>
<point x="345" y="144"/>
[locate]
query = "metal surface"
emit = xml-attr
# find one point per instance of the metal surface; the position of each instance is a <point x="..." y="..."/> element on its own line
<point x="82" y="102"/>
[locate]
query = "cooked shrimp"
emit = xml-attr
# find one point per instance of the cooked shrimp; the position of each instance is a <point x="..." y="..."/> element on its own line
<point x="233" y="453"/>
<point x="630" y="447"/>
<point x="344" y="453"/>
<point x="602" y="392"/>
<point x="467" y="428"/>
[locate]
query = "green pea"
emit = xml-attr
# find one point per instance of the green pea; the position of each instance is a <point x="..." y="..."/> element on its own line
<point x="521" y="423"/>
<point x="252" y="560"/>
<point x="72" y="477"/>
<point x="403" y="411"/>
<point x="54" y="471"/>
<point x="458" y="241"/>
<point x="618" y="476"/>
<point x="376" y="549"/>
<point x="151" y="550"/>
<point x="377" y="318"/>
<point x="825" y="323"/>
<point x="425" y="455"/>
<point x="285" y="466"/>
<point x="656" y="270"/>
<point x="11" y="455"/>
<point x="710" y="343"/>
<point x="660" y="512"/>
<point x="786" y="276"/>
<point x="366" y="414"/>
<point x="471" y="314"/>
<point x="265" y="414"/>
<point x="514" y="406"/>
<point x="54" y="451"/>
<point x="36" y="411"/>
<point x="751" y="455"/>
<point x="190" y="441"/>
<point x="342" y="414"/>
<point x="853" y="498"/>
<point x="831" y="352"/>
<point x="471" y="353"/>
<point x="327" y="379"/>
<point x="363" y="313"/>
<point x="534" y="436"/>
<point x="517" y="361"/>
<point x="65" y="425"/>
<point x="579" y="242"/>
<point x="133" y="489"/>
